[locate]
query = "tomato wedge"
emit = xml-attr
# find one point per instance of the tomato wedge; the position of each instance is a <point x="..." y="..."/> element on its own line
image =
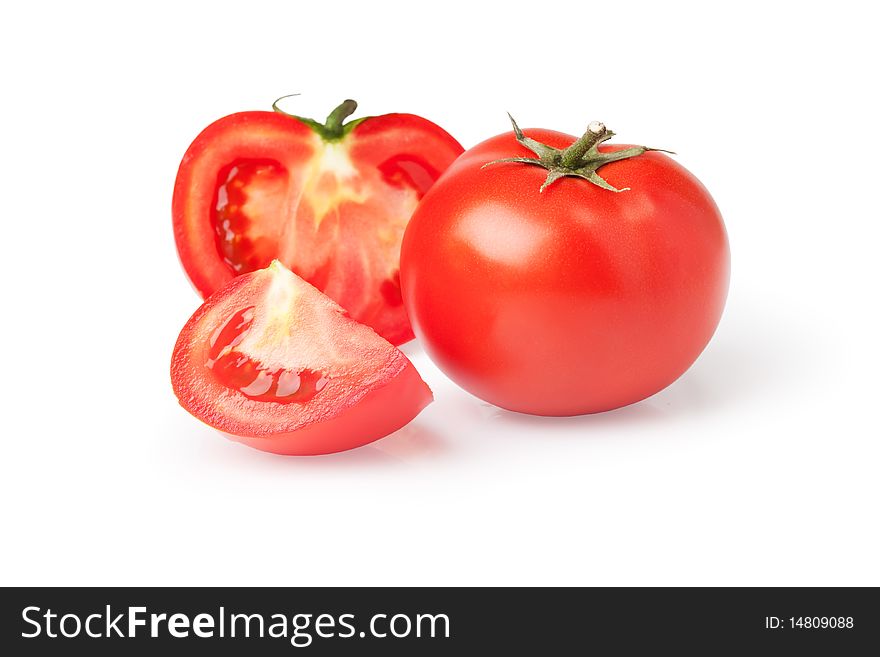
<point x="279" y="366"/>
<point x="330" y="201"/>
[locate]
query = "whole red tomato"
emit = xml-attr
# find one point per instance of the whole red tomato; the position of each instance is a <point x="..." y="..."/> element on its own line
<point x="567" y="277"/>
<point x="329" y="200"/>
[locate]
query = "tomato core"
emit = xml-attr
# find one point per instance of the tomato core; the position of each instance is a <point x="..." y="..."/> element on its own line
<point x="239" y="371"/>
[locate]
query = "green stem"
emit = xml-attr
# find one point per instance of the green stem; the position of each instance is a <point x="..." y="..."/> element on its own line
<point x="334" y="128"/>
<point x="572" y="155"/>
<point x="333" y="124"/>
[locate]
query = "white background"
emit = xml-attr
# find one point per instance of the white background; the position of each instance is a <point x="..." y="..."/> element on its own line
<point x="758" y="467"/>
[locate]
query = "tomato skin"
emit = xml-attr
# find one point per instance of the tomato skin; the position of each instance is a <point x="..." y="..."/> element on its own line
<point x="373" y="388"/>
<point x="575" y="300"/>
<point x="335" y="220"/>
<point x="373" y="417"/>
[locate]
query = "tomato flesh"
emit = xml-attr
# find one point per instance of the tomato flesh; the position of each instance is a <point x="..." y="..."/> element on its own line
<point x="239" y="371"/>
<point x="409" y="171"/>
<point x="248" y="213"/>
<point x="259" y="186"/>
<point x="276" y="364"/>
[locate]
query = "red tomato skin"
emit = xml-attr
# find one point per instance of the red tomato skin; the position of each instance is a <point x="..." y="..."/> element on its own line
<point x="571" y="301"/>
<point x="327" y="428"/>
<point x="373" y="417"/>
<point x="271" y="136"/>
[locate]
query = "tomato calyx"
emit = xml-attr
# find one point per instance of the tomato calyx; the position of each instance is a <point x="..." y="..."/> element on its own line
<point x="580" y="160"/>
<point x="334" y="127"/>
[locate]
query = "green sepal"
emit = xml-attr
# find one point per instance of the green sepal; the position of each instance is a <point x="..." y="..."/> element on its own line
<point x="580" y="160"/>
<point x="334" y="128"/>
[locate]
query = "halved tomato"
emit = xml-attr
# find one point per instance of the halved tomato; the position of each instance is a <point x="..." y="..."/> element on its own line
<point x="330" y="201"/>
<point x="277" y="365"/>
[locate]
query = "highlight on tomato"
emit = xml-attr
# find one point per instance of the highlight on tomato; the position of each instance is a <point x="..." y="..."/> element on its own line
<point x="560" y="276"/>
<point x="279" y="366"/>
<point x="329" y="200"/>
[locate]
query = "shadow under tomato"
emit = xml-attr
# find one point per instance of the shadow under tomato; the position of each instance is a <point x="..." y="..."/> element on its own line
<point x="747" y="364"/>
<point x="414" y="441"/>
<point x="410" y="443"/>
<point x="628" y="415"/>
<point x="742" y="366"/>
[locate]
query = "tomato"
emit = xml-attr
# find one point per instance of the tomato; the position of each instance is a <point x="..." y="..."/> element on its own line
<point x="330" y="201"/>
<point x="279" y="366"/>
<point x="550" y="293"/>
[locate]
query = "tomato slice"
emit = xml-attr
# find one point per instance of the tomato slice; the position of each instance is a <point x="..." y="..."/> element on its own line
<point x="259" y="186"/>
<point x="279" y="366"/>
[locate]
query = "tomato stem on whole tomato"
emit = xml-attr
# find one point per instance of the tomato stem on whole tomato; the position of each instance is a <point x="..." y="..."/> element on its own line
<point x="334" y="128"/>
<point x="580" y="160"/>
<point x="596" y="133"/>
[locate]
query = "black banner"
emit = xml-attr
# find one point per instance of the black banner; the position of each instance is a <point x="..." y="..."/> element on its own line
<point x="418" y="621"/>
